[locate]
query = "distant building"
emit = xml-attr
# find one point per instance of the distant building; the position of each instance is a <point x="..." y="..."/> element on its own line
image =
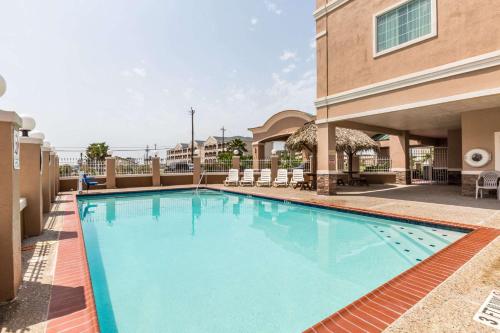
<point x="208" y="149"/>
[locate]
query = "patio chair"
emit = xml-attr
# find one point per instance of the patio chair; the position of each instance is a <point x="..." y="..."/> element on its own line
<point x="233" y="178"/>
<point x="489" y="182"/>
<point x="88" y="181"/>
<point x="297" y="178"/>
<point x="282" y="179"/>
<point x="265" y="178"/>
<point x="248" y="178"/>
<point x="357" y="179"/>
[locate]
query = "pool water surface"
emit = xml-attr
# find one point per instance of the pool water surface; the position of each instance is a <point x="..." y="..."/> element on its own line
<point x="210" y="261"/>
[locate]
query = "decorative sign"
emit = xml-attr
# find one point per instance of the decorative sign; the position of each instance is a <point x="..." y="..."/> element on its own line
<point x="477" y="157"/>
<point x="489" y="312"/>
<point x="16" y="150"/>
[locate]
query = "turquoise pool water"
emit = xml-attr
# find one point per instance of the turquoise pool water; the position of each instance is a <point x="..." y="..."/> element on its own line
<point x="176" y="261"/>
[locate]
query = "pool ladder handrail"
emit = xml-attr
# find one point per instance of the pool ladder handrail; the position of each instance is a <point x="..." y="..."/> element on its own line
<point x="203" y="174"/>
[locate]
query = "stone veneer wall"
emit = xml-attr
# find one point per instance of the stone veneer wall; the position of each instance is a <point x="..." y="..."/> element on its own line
<point x="327" y="184"/>
<point x="403" y="177"/>
<point x="469" y="185"/>
<point x="454" y="177"/>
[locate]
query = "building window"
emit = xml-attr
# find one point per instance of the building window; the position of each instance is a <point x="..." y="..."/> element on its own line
<point x="405" y="24"/>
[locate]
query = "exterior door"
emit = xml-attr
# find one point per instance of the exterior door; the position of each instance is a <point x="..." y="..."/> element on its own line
<point x="429" y="165"/>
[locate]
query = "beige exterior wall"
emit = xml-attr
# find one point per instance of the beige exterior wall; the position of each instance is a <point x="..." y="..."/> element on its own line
<point x="10" y="223"/>
<point x="30" y="182"/>
<point x="460" y="84"/>
<point x="46" y="197"/>
<point x="350" y="29"/>
<point x="478" y="131"/>
<point x="455" y="150"/>
<point x="280" y="125"/>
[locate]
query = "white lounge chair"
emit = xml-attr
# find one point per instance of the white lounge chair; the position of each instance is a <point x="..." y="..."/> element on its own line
<point x="233" y="178"/>
<point x="265" y="178"/>
<point x="282" y="179"/>
<point x="247" y="178"/>
<point x="297" y="177"/>
<point x="489" y="182"/>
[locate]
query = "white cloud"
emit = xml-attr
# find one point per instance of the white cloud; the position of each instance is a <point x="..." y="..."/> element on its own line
<point x="288" y="55"/>
<point x="289" y="68"/>
<point x="312" y="45"/>
<point x="273" y="8"/>
<point x="254" y="21"/>
<point x="139" y="71"/>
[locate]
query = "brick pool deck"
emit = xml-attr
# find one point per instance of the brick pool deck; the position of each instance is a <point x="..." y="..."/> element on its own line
<point x="72" y="307"/>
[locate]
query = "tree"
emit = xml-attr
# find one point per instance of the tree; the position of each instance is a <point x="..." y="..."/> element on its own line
<point x="225" y="156"/>
<point x="237" y="144"/>
<point x="97" y="151"/>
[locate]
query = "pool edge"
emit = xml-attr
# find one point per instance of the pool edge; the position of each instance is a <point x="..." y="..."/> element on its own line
<point x="72" y="305"/>
<point x="381" y="307"/>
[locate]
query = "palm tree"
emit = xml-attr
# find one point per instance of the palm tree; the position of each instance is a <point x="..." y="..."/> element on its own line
<point x="237" y="144"/>
<point x="97" y="151"/>
<point x="348" y="141"/>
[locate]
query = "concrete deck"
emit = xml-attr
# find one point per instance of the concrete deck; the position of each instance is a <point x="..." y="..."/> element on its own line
<point x="450" y="307"/>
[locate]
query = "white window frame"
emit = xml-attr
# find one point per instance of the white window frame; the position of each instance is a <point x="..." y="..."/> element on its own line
<point x="432" y="34"/>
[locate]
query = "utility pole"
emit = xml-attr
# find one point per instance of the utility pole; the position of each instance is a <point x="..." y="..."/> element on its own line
<point x="192" y="112"/>
<point x="223" y="137"/>
<point x="147" y="152"/>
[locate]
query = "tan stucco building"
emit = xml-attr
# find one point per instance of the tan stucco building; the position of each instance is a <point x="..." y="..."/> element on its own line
<point x="418" y="69"/>
<point x="208" y="149"/>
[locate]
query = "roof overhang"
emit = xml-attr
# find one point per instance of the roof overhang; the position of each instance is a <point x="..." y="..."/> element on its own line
<point x="430" y="118"/>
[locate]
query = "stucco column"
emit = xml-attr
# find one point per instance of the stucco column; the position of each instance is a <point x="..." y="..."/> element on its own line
<point x="155" y="161"/>
<point x="258" y="153"/>
<point x="196" y="169"/>
<point x="57" y="174"/>
<point x="10" y="227"/>
<point x="327" y="159"/>
<point x="110" y="172"/>
<point x="455" y="157"/>
<point x="46" y="179"/>
<point x="400" y="156"/>
<point x="52" y="168"/>
<point x="497" y="151"/>
<point x="30" y="182"/>
<point x="235" y="163"/>
<point x="274" y="167"/>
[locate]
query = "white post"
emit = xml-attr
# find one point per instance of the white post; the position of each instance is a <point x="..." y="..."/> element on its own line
<point x="80" y="181"/>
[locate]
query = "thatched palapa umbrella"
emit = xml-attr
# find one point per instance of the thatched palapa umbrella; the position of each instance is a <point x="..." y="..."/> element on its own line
<point x="348" y="140"/>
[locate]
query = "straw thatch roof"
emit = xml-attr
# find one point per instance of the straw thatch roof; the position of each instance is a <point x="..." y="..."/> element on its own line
<point x="348" y="140"/>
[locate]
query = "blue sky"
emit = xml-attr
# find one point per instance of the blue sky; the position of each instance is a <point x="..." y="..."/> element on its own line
<point x="126" y="72"/>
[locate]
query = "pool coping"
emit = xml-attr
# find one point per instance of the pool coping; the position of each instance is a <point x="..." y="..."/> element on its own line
<point x="373" y="312"/>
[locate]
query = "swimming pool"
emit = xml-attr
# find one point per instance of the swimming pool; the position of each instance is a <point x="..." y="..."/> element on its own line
<point x="177" y="261"/>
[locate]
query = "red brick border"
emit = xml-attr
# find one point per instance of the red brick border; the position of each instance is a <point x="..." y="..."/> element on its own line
<point x="72" y="307"/>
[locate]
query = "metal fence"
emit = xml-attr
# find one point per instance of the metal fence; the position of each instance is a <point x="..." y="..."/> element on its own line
<point x="216" y="166"/>
<point x="290" y="164"/>
<point x="172" y="167"/>
<point x="264" y="164"/>
<point x="246" y="164"/>
<point x="70" y="167"/>
<point x="133" y="166"/>
<point x="374" y="163"/>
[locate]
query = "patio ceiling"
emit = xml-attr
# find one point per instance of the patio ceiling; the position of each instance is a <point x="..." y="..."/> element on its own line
<point x="429" y="118"/>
